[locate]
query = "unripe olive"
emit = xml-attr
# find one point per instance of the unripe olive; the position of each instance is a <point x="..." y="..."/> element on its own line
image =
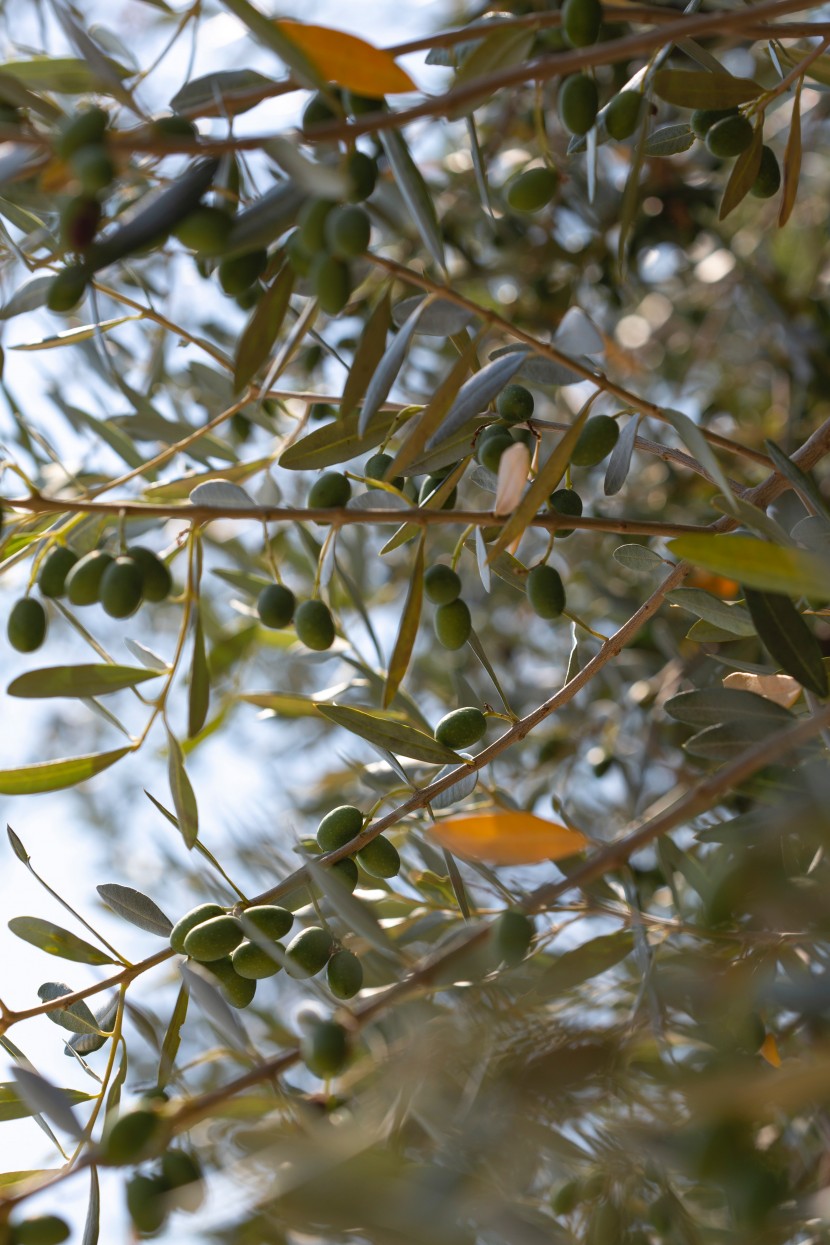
<point x="428" y="487"/>
<point x="146" y="1203"/>
<point x="362" y="171"/>
<point x="314" y="625"/>
<point x="578" y="103"/>
<point x="67" y="289"/>
<point x="309" y="952"/>
<point x="623" y="114"/>
<point x="298" y="256"/>
<point x="380" y="858"/>
<point x="461" y="728"/>
<point x="83" y="583"/>
<point x="205" y="230"/>
<point x="567" y="1198"/>
<point x="768" y="181"/>
<point x="596" y="441"/>
<point x="453" y="624"/>
<point x="80" y="219"/>
<point x="121" y="588"/>
<point x="238" y="991"/>
<point x="312" y="224"/>
<point x="513" y="934"/>
<point x="269" y="919"/>
<point x="332" y="488"/>
<point x="27" y="625"/>
<point x="81" y="130"/>
<point x="213" y="939"/>
<point x="325" y="1048"/>
<point x="581" y="21"/>
<point x="54" y="569"/>
<point x="730" y="136"/>
<point x="332" y="282"/>
<point x="40" y="1230"/>
<point x="376" y="467"/>
<point x="156" y="580"/>
<point x="317" y="111"/>
<point x="545" y="592"/>
<point x="347" y="231"/>
<point x="275" y="606"/>
<point x="515" y="404"/>
<point x="174" y="126"/>
<point x="196" y="916"/>
<point x="442" y="584"/>
<point x="181" y="1172"/>
<point x="339" y="827"/>
<point x="565" y="501"/>
<point x="344" y="974"/>
<point x="532" y="190"/>
<point x="252" y="961"/>
<point x="346" y="873"/>
<point x="238" y="274"/>
<point x="93" y="167"/>
<point x="131" y="1137"/>
<point x="490" y="450"/>
<point x="703" y="119"/>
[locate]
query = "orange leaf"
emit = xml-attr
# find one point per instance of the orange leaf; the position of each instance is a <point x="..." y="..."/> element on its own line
<point x="769" y="1050"/>
<point x="350" y="62"/>
<point x="502" y="838"/>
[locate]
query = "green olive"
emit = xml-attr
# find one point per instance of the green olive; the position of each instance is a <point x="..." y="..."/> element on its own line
<point x="332" y="283"/>
<point x="546" y="592"/>
<point x="453" y="624"/>
<point x="213" y="939"/>
<point x="309" y="952"/>
<point x="703" y="119"/>
<point x="147" y="1203"/>
<point x="255" y="962"/>
<point x="325" y="1048"/>
<point x="531" y="190"/>
<point x="565" y="501"/>
<point x="238" y="274"/>
<point x="314" y="625"/>
<point x="581" y="22"/>
<point x="442" y="584"/>
<point x="347" y="231"/>
<point x="268" y="919"/>
<point x="380" y="858"/>
<point x="729" y="137"/>
<point x="196" y="916"/>
<point x="54" y="570"/>
<point x="27" y="625"/>
<point x="513" y="934"/>
<point x="156" y="580"/>
<point x="205" y="230"/>
<point x="131" y="1137"/>
<point x="330" y="489"/>
<point x="461" y="728"/>
<point x="578" y="103"/>
<point x="121" y="588"/>
<point x="40" y="1230"/>
<point x="623" y="114"/>
<point x="596" y="441"/>
<point x="67" y="289"/>
<point x="83" y="583"/>
<point x="339" y="827"/>
<point x="93" y="167"/>
<point x="768" y="180"/>
<point x="84" y="129"/>
<point x="275" y="606"/>
<point x="344" y="974"/>
<point x="362" y="172"/>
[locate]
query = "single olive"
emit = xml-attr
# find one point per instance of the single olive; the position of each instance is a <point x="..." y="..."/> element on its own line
<point x="322" y="410"/>
<point x="545" y="591"/>
<point x="346" y="873"/>
<point x="703" y="119"/>
<point x="339" y="827"/>
<point x="81" y="130"/>
<point x="314" y="625"/>
<point x="380" y="858"/>
<point x="531" y="190"/>
<point x="768" y="180"/>
<point x="729" y="137"/>
<point x="442" y="584"/>
<point x="461" y="728"/>
<point x="311" y="224"/>
<point x="131" y="1137"/>
<point x="156" y="580"/>
<point x="83" y="583"/>
<point x="275" y="606"/>
<point x="205" y="230"/>
<point x="376" y="467"/>
<point x="174" y="126"/>
<point x="453" y="624"/>
<point x="515" y="404"/>
<point x="344" y="974"/>
<point x="93" y="167"/>
<point x="182" y="1174"/>
<point x="255" y="962"/>
<point x="268" y="919"/>
<point x="238" y="274"/>
<point x="428" y="487"/>
<point x="26" y="627"/>
<point x="40" y="1230"/>
<point x="581" y="22"/>
<point x="347" y="231"/>
<point x="332" y="282"/>
<point x="325" y="1048"/>
<point x="490" y="450"/>
<point x="623" y="114"/>
<point x="309" y="952"/>
<point x="318" y="110"/>
<point x="147" y="1203"/>
<point x="566" y="1198"/>
<point x="54" y="569"/>
<point x="238" y="991"/>
<point x="565" y="501"/>
<point x="213" y="939"/>
<point x="298" y="256"/>
<point x="67" y="289"/>
<point x="332" y="488"/>
<point x="596" y="441"/>
<point x="513" y="934"/>
<point x="121" y="587"/>
<point x="196" y="916"/>
<point x="578" y="103"/>
<point x="362" y="172"/>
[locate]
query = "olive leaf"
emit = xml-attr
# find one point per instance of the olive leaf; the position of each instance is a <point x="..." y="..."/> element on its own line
<point x="408" y="629"/>
<point x="46" y="1099"/>
<point x="712" y="705"/>
<point x="787" y="638"/>
<point x="136" y="908"/>
<point x="55" y="940"/>
<point x="78" y="681"/>
<point x="389" y="733"/>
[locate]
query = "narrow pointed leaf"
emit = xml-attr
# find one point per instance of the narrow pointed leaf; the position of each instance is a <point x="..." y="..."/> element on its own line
<point x="57" y="941"/>
<point x="71" y="337"/>
<point x="638" y="558"/>
<point x="696" y="443"/>
<point x="55" y="775"/>
<point x="730" y="618"/>
<point x="712" y="705"/>
<point x="92" y="1222"/>
<point x="262" y="329"/>
<point x="669" y="140"/>
<point x="17" y="847"/>
<point x="619" y="463"/>
<point x="441" y="318"/>
<point x="743" y="175"/>
<point x="13" y="1107"/>
<point x="756" y="563"/>
<point x="389" y="733"/>
<point x="77" y="1017"/>
<point x="792" y="160"/>
<point x="434" y="413"/>
<point x="408" y="629"/>
<point x="387" y="371"/>
<point x="803" y="483"/>
<point x="223" y="93"/>
<point x="136" y="908"/>
<point x="48" y="1100"/>
<point x="78" y="681"/>
<point x="727" y="740"/>
<point x="787" y="638"/>
<point x="475" y="396"/>
<point x="172" y="1037"/>
<point x="184" y="801"/>
<point x="199" y="692"/>
<point x="698" y="89"/>
<point x="355" y="915"/>
<point x="368" y="354"/>
<point x="337" y="442"/>
<point x="590" y="960"/>
<point x="414" y="192"/>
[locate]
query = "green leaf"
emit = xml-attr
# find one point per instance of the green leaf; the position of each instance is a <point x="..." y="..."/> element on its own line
<point x="266" y="219"/>
<point x="283" y="704"/>
<point x="17" y="847"/>
<point x="414" y="192"/>
<point x="57" y="941"/>
<point x="12" y="1106"/>
<point x="337" y="442"/>
<point x="356" y="915"/>
<point x="730" y="618"/>
<point x="185" y="486"/>
<point x="136" y="908"/>
<point x="390" y="733"/>
<point x="727" y="740"/>
<point x="184" y="801"/>
<point x="499" y="50"/>
<point x="199" y="691"/>
<point x="223" y="93"/>
<point x="743" y="175"/>
<point x="433" y="414"/>
<point x="583" y="963"/>
<point x="368" y="354"/>
<point x="48" y="1100"/>
<point x="669" y="140"/>
<point x="262" y="329"/>
<point x="77" y="1018"/>
<point x="387" y="370"/>
<point x="27" y="297"/>
<point x="55" y="775"/>
<point x="476" y="395"/>
<point x="638" y="558"/>
<point x="78" y="681"/>
<point x="70" y="337"/>
<point x="756" y="563"/>
<point x="711" y="705"/>
<point x="172" y="1037"/>
<point x="698" y="446"/>
<point x="695" y="89"/>
<point x="93" y="1213"/>
<point x="802" y="482"/>
<point x="65" y="75"/>
<point x="408" y="630"/>
<point x="787" y="638"/>
<point x="619" y="463"/>
<point x="792" y="154"/>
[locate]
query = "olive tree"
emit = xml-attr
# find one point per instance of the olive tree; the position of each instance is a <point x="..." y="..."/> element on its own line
<point x="446" y="458"/>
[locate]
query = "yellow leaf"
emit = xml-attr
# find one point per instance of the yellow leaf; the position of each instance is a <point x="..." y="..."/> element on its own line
<point x="769" y="1051"/>
<point x="350" y="62"/>
<point x="503" y="838"/>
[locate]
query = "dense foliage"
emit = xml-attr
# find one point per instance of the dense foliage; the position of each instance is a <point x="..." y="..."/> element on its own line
<point x="447" y="457"/>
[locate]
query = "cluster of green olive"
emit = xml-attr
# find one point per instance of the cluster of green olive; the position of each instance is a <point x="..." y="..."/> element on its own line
<point x="327" y="237"/>
<point x="174" y="1183"/>
<point x="379" y="858"/>
<point x="277" y="607"/>
<point x="119" y="583"/>
<point x="727" y="133"/>
<point x="38" y="1230"/>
